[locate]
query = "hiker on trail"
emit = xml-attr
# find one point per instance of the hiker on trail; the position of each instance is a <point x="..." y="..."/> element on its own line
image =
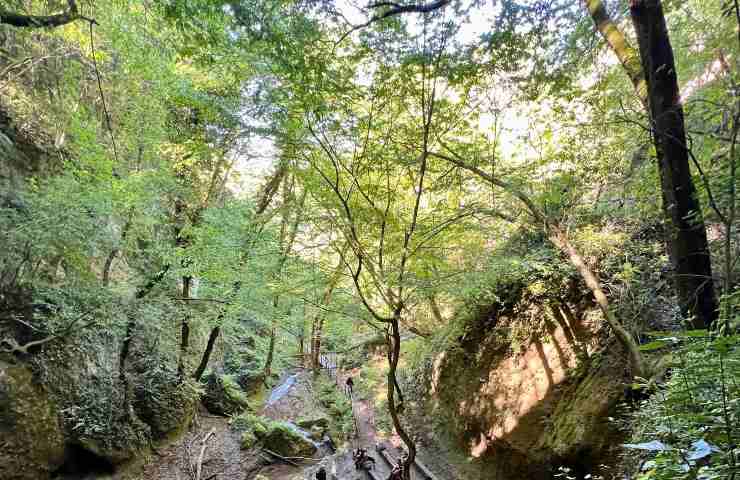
<point x="330" y="444"/>
<point x="348" y="385"/>
<point x="321" y="474"/>
<point x="363" y="461"/>
<point x="396" y="473"/>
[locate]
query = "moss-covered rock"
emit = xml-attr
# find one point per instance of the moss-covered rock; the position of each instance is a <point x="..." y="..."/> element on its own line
<point x="248" y="440"/>
<point x="31" y="437"/>
<point x="251" y="382"/>
<point x="521" y="399"/>
<point x="81" y="375"/>
<point x="165" y="403"/>
<point x="309" y="423"/>
<point x="224" y="396"/>
<point x="285" y="441"/>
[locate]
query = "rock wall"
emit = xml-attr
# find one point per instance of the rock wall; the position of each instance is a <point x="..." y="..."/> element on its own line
<point x="518" y="408"/>
<point x="66" y="401"/>
<point x="31" y="435"/>
<point x="19" y="156"/>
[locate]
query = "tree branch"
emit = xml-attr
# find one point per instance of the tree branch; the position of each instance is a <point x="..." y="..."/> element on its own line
<point x="395" y="9"/>
<point x="40" y="21"/>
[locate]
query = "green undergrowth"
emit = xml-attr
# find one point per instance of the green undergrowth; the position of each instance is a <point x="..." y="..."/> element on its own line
<point x="337" y="405"/>
<point x="252" y="428"/>
<point x="689" y="427"/>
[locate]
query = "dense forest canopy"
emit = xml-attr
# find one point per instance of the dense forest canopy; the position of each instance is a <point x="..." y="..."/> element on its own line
<point x="220" y="187"/>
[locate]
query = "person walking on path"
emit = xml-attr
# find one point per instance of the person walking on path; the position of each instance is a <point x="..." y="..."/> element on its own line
<point x="348" y="386"/>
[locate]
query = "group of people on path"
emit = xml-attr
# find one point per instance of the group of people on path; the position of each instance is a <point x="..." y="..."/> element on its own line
<point x="361" y="459"/>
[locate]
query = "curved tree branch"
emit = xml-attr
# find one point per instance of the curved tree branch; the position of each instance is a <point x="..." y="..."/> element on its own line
<point x="41" y="21"/>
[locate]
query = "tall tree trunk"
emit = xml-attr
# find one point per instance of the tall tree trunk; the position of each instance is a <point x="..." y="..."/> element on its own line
<point x="207" y="353"/>
<point x="395" y="409"/>
<point x="687" y="232"/>
<point x="625" y="52"/>
<point x="317" y="326"/>
<point x="184" y="330"/>
<point x="270" y="354"/>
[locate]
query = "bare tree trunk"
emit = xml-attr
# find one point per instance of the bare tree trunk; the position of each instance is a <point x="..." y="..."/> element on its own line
<point x="317" y="326"/>
<point x="212" y="337"/>
<point x="184" y="330"/>
<point x="625" y="52"/>
<point x="394" y="352"/>
<point x="270" y="354"/>
<point x="687" y="233"/>
<point x="560" y="240"/>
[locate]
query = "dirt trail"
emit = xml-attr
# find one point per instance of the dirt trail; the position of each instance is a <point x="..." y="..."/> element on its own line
<point x="291" y="400"/>
<point x="223" y="458"/>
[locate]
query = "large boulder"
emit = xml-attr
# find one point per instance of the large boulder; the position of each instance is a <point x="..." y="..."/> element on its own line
<point x="164" y="402"/>
<point x="286" y="441"/>
<point x="90" y="396"/>
<point x="31" y="437"/>
<point x="224" y="396"/>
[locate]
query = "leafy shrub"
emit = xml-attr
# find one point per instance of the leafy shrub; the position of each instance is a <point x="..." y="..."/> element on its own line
<point x="248" y="421"/>
<point x="688" y="428"/>
<point x="338" y="406"/>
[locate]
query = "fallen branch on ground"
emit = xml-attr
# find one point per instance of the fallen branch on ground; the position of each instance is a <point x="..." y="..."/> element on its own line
<point x="204" y="444"/>
<point x="288" y="459"/>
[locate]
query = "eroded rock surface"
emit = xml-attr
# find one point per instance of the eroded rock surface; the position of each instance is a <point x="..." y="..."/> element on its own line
<point x="31" y="437"/>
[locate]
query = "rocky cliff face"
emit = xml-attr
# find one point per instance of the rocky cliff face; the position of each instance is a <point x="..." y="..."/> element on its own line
<point x="31" y="435"/>
<point x="63" y="408"/>
<point x="526" y="390"/>
<point x="62" y="405"/>
<point x="20" y="157"/>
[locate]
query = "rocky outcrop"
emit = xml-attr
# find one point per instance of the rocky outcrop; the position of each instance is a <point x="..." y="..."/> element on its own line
<point x="31" y="437"/>
<point x="223" y="395"/>
<point x="523" y="392"/>
<point x="19" y="157"/>
<point x="64" y="404"/>
<point x="164" y="403"/>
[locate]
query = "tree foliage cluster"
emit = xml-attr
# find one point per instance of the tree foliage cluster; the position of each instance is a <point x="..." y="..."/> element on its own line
<point x="418" y="169"/>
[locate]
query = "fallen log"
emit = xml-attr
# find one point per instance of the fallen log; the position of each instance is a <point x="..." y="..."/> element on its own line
<point x="285" y="459"/>
<point x="203" y="445"/>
